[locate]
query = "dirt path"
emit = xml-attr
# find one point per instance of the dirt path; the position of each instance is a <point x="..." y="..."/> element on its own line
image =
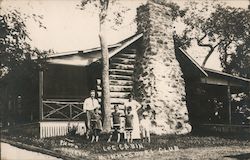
<point x="9" y="152"/>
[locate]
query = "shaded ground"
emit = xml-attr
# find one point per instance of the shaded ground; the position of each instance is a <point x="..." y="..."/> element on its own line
<point x="192" y="146"/>
<point x="227" y="153"/>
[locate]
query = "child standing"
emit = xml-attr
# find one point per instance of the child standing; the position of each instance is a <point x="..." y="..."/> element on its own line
<point x="129" y="124"/>
<point x="116" y="116"/>
<point x="96" y="125"/>
<point x="145" y="127"/>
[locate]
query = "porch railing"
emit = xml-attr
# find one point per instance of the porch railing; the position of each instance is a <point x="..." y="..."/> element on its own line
<point x="57" y="110"/>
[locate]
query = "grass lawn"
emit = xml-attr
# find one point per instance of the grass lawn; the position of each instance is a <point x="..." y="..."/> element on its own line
<point x="191" y="146"/>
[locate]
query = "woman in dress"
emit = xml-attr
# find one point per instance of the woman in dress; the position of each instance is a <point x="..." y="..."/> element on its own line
<point x="134" y="106"/>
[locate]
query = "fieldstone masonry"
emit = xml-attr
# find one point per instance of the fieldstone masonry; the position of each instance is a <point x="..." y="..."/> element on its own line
<point x="158" y="76"/>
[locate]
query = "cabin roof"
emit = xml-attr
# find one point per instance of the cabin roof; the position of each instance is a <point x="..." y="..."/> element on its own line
<point x="94" y="54"/>
<point x="211" y="71"/>
<point x="119" y="46"/>
<point x="87" y="57"/>
<point x="81" y="51"/>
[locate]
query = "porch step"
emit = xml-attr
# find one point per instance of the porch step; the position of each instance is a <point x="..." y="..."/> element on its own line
<point x="116" y="88"/>
<point x="121" y="82"/>
<point x="118" y="100"/>
<point x="126" y="55"/>
<point x="116" y="94"/>
<point x="120" y="94"/>
<point x="119" y="77"/>
<point x="121" y="72"/>
<point x="122" y="66"/>
<point x="130" y="51"/>
<point x="123" y="60"/>
<point x="116" y="82"/>
<point x="113" y="101"/>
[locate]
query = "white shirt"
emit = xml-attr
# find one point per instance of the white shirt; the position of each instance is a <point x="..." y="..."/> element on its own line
<point x="90" y="104"/>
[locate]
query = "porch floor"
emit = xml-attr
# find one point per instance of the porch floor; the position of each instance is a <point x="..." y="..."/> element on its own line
<point x="225" y="128"/>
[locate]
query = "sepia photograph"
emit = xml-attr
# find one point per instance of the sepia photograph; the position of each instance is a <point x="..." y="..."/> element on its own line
<point x="124" y="79"/>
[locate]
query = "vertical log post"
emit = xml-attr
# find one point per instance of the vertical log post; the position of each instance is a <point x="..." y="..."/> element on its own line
<point x="70" y="111"/>
<point x="41" y="95"/>
<point x="229" y="104"/>
<point x="248" y="90"/>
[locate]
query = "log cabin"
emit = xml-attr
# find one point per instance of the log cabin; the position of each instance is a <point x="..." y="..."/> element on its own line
<point x="68" y="78"/>
<point x="147" y="65"/>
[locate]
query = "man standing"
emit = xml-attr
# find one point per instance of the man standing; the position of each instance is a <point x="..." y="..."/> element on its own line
<point x="89" y="105"/>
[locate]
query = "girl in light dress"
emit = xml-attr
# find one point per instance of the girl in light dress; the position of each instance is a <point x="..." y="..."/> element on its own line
<point x="135" y="106"/>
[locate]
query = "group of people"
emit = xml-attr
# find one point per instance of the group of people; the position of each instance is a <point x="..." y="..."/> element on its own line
<point x="134" y="128"/>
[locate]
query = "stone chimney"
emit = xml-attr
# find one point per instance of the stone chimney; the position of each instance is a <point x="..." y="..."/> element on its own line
<point x="158" y="78"/>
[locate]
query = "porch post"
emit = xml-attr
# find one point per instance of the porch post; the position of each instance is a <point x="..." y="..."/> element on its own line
<point x="40" y="95"/>
<point x="229" y="103"/>
<point x="249" y="90"/>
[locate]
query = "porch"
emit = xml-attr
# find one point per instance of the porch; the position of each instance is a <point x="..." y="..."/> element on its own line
<point x="68" y="78"/>
<point x="46" y="129"/>
<point x="225" y="128"/>
<point x="210" y="97"/>
<point x="220" y="87"/>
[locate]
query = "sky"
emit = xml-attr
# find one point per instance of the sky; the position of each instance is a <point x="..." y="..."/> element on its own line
<point x="68" y="28"/>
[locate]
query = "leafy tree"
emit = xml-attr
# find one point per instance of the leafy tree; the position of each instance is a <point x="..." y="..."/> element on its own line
<point x="233" y="29"/>
<point x="17" y="69"/>
<point x="239" y="63"/>
<point x="104" y="10"/>
<point x="14" y="48"/>
<point x="198" y="28"/>
<point x="219" y="28"/>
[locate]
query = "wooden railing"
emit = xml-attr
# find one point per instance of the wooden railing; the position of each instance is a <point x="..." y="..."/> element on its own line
<point x="57" y="110"/>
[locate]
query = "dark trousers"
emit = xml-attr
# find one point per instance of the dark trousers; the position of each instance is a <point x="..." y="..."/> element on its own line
<point x="89" y="114"/>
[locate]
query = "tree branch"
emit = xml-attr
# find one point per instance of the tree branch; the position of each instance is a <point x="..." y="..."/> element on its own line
<point x="199" y="42"/>
<point x="210" y="46"/>
<point x="103" y="11"/>
<point x="226" y="54"/>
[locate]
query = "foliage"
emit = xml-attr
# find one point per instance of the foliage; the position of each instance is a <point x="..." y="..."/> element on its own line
<point x="239" y="63"/>
<point x="14" y="48"/>
<point x="72" y="130"/>
<point x="15" y="52"/>
<point x="18" y="71"/>
<point x="218" y="28"/>
<point x="233" y="29"/>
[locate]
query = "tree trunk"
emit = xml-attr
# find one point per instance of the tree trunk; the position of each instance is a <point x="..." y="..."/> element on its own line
<point x="105" y="67"/>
